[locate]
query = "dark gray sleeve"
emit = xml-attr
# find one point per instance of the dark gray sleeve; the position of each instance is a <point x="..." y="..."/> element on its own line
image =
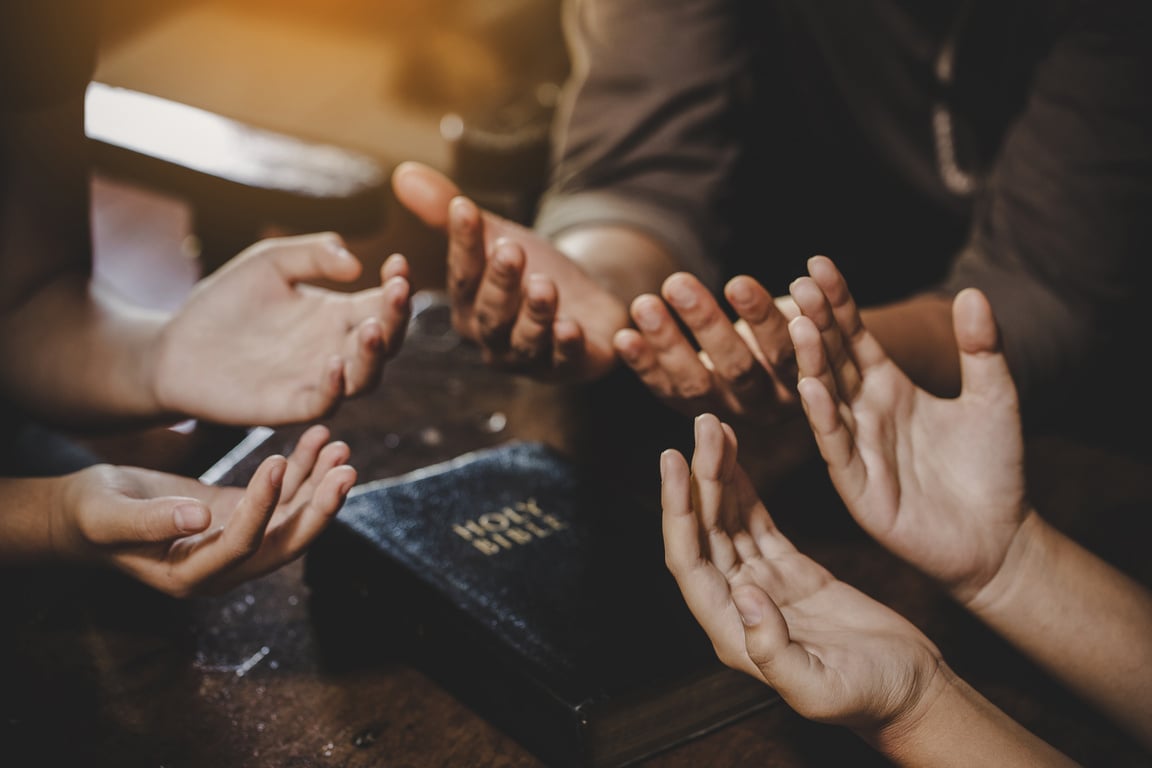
<point x="647" y="133"/>
<point x="1062" y="238"/>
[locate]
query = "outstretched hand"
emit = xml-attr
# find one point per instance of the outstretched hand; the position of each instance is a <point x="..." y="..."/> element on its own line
<point x="939" y="482"/>
<point x="742" y="370"/>
<point x="185" y="538"/>
<point x="834" y="654"/>
<point x="255" y="344"/>
<point x="531" y="309"/>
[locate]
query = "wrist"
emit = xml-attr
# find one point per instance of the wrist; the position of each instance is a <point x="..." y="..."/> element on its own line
<point x="37" y="519"/>
<point x="68" y="540"/>
<point x="623" y="261"/>
<point x="954" y="725"/>
<point x="916" y="722"/>
<point x="1023" y="551"/>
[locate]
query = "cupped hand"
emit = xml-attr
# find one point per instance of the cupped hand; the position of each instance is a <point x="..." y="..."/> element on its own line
<point x="531" y="309"/>
<point x="256" y="344"/>
<point x="939" y="482"/>
<point x="186" y="538"/>
<point x="834" y="654"/>
<point x="744" y="370"/>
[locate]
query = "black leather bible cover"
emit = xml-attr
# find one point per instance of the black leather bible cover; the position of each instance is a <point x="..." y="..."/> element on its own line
<point x="537" y="596"/>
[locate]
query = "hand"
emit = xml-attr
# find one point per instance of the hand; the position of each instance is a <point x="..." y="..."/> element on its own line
<point x="254" y="344"/>
<point x="939" y="482"/>
<point x="186" y="538"/>
<point x="742" y="370"/>
<point x="834" y="654"/>
<point x="531" y="309"/>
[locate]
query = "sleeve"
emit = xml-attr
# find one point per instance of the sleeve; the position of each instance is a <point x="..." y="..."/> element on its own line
<point x="647" y="133"/>
<point x="1062" y="233"/>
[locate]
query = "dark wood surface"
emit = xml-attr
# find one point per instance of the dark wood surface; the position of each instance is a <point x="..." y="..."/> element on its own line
<point x="98" y="671"/>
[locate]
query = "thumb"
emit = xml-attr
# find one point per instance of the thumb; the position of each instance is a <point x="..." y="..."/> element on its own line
<point x="302" y="258"/>
<point x="424" y="191"/>
<point x="781" y="662"/>
<point x="149" y="521"/>
<point x="983" y="368"/>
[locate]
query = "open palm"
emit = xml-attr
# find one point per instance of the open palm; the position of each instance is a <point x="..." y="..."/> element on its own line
<point x="937" y="481"/>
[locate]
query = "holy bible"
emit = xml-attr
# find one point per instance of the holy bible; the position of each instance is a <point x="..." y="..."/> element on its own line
<point x="537" y="595"/>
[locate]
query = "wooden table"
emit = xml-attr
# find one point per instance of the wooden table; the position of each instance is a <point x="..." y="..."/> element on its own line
<point x="99" y="671"/>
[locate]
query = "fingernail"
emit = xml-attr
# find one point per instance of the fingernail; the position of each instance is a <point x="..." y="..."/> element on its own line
<point x="681" y="295"/>
<point x="190" y="518"/>
<point x="749" y="610"/>
<point x="647" y="318"/>
<point x="740" y="293"/>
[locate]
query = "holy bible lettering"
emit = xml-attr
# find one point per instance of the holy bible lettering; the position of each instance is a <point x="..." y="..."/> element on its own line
<point x="521" y="523"/>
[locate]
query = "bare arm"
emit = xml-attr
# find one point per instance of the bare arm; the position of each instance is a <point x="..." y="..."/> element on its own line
<point x="1078" y="617"/>
<point x="959" y="728"/>
<point x="67" y="351"/>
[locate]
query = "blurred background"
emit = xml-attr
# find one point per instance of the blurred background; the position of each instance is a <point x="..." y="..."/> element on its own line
<point x="458" y="84"/>
<point x="218" y="122"/>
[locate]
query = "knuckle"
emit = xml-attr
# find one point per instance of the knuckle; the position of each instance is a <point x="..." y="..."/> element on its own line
<point x="694" y="388"/>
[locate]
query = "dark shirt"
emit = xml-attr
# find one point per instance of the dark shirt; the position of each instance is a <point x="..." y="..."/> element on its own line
<point x="1005" y="145"/>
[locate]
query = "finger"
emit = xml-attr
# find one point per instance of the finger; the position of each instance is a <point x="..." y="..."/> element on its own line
<point x="732" y="360"/>
<point x="394" y="266"/>
<point x="638" y="355"/>
<point x="288" y="541"/>
<point x="332" y="455"/>
<point x="397" y="311"/>
<point x="984" y="370"/>
<point x="243" y="534"/>
<point x="863" y="348"/>
<point x="767" y="324"/>
<point x="132" y="521"/>
<point x="708" y="462"/>
<point x="835" y="438"/>
<point x="424" y="191"/>
<point x="703" y="586"/>
<point x="362" y="368"/>
<point x="303" y="458"/>
<point x="814" y="304"/>
<point x="531" y="338"/>
<point x="321" y="400"/>
<point x="313" y="257"/>
<point x="689" y="379"/>
<point x="498" y="296"/>
<point x="784" y="665"/>
<point x="378" y="336"/>
<point x="681" y="527"/>
<point x="811" y="356"/>
<point x="568" y="346"/>
<point x="466" y="257"/>
<point x="733" y="514"/>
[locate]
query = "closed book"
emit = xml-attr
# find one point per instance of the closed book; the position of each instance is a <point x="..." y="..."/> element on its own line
<point x="535" y="592"/>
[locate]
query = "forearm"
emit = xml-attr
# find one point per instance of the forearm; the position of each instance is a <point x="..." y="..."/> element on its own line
<point x="31" y="510"/>
<point x="917" y="333"/>
<point x="1085" y="622"/>
<point x="68" y="355"/>
<point x="81" y="358"/>
<point x="956" y="726"/>
<point x="624" y="261"/>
